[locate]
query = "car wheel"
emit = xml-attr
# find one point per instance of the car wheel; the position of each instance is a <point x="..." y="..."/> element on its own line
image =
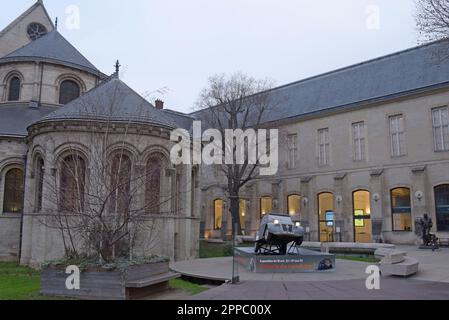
<point x="299" y="241"/>
<point x="257" y="248"/>
<point x="267" y="235"/>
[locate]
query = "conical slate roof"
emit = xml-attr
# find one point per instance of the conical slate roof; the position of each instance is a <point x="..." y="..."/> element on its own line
<point x="54" y="48"/>
<point x="112" y="101"/>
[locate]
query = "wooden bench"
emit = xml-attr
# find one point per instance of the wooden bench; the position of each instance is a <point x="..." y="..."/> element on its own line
<point x="145" y="287"/>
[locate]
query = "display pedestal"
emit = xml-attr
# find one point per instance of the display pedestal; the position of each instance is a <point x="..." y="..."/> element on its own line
<point x="297" y="261"/>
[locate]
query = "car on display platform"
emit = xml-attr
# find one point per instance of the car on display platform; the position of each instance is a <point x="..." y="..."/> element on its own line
<point x="277" y="229"/>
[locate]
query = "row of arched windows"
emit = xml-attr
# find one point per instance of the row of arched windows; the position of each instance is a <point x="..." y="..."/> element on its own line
<point x="401" y="211"/>
<point x="72" y="184"/>
<point x="69" y="90"/>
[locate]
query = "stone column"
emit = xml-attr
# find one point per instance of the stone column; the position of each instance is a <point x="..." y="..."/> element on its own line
<point x="377" y="203"/>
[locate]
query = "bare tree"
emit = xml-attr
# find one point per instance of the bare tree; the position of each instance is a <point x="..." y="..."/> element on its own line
<point x="103" y="208"/>
<point x="236" y="102"/>
<point x="432" y="19"/>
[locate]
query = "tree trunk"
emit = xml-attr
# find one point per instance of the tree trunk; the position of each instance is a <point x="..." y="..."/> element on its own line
<point x="235" y="214"/>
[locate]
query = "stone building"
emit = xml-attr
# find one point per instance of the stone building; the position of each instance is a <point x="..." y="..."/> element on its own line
<point x="364" y="153"/>
<point x="54" y="103"/>
<point x="364" y="150"/>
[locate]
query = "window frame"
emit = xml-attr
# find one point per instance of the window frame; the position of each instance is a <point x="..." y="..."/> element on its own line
<point x="441" y="127"/>
<point x="17" y="97"/>
<point x="323" y="147"/>
<point x="292" y="150"/>
<point x="60" y="96"/>
<point x="398" y="143"/>
<point x="392" y="209"/>
<point x="14" y="194"/>
<point x="359" y="141"/>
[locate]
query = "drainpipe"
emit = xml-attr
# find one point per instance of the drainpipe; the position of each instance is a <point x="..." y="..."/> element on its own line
<point x="23" y="207"/>
<point x="40" y="84"/>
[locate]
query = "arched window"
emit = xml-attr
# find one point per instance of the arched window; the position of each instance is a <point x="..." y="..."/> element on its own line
<point x="326" y="212"/>
<point x="72" y="184"/>
<point x="243" y="209"/>
<point x="153" y="184"/>
<point x="39" y="176"/>
<point x="120" y="184"/>
<point x="401" y="209"/>
<point x="294" y="204"/>
<point x="218" y="214"/>
<point x="266" y="206"/>
<point x="69" y="90"/>
<point x="442" y="207"/>
<point x="13" y="195"/>
<point x="14" y="89"/>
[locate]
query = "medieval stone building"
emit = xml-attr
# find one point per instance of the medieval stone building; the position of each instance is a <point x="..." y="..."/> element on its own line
<point x="53" y="103"/>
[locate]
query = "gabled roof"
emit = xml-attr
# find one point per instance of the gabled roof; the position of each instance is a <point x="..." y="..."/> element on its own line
<point x="112" y="101"/>
<point x="52" y="47"/>
<point x="38" y="3"/>
<point x="400" y="74"/>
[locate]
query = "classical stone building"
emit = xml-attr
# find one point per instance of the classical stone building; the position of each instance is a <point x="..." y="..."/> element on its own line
<point x="364" y="150"/>
<point x="54" y="106"/>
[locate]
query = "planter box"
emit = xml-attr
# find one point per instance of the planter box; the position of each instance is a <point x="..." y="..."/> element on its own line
<point x="130" y="283"/>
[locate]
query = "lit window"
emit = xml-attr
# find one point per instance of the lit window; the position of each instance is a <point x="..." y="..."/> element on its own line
<point x="442" y="207"/>
<point x="397" y="136"/>
<point x="441" y="128"/>
<point x="266" y="206"/>
<point x="218" y="214"/>
<point x="243" y="212"/>
<point x="13" y="194"/>
<point x="401" y="209"/>
<point x="323" y="147"/>
<point x="294" y="204"/>
<point x="359" y="141"/>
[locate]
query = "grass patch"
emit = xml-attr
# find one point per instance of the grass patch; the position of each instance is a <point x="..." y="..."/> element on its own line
<point x="190" y="288"/>
<point x="18" y="283"/>
<point x="368" y="259"/>
<point x="214" y="250"/>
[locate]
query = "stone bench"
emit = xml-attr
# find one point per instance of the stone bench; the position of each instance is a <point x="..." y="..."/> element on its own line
<point x="406" y="268"/>
<point x="347" y="247"/>
<point x="443" y="239"/>
<point x="390" y="256"/>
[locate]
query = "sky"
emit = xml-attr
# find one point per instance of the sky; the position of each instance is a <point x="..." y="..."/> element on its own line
<point x="176" y="45"/>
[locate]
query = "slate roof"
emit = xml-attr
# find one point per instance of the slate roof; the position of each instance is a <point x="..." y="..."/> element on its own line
<point x="397" y="74"/>
<point x="112" y="101"/>
<point x="16" y="117"/>
<point x="52" y="47"/>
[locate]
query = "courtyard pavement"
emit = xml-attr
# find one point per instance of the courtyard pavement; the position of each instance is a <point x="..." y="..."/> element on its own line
<point x="348" y="282"/>
<point x="391" y="289"/>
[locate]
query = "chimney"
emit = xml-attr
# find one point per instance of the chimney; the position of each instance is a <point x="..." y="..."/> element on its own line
<point x="159" y="104"/>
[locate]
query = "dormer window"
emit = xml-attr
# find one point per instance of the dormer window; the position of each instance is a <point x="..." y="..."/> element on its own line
<point x="69" y="90"/>
<point x="14" y="89"/>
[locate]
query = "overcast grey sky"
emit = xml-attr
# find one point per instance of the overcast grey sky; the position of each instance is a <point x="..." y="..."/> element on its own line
<point x="178" y="44"/>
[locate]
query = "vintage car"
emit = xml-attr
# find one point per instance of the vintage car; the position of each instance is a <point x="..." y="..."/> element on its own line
<point x="278" y="230"/>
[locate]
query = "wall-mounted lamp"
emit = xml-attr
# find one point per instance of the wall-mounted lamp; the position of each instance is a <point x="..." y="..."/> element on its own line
<point x="339" y="199"/>
<point x="419" y="195"/>
<point x="376" y="197"/>
<point x="305" y="201"/>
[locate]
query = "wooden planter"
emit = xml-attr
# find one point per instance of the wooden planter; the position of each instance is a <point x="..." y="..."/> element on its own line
<point x="124" y="284"/>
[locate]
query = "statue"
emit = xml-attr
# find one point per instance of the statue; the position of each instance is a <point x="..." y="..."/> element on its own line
<point x="429" y="240"/>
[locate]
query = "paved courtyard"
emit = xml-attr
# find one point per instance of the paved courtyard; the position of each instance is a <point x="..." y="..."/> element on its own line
<point x="348" y="282"/>
<point x="391" y="289"/>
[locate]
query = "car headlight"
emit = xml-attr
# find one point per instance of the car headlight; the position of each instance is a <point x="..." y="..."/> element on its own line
<point x="298" y="224"/>
<point x="276" y="222"/>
